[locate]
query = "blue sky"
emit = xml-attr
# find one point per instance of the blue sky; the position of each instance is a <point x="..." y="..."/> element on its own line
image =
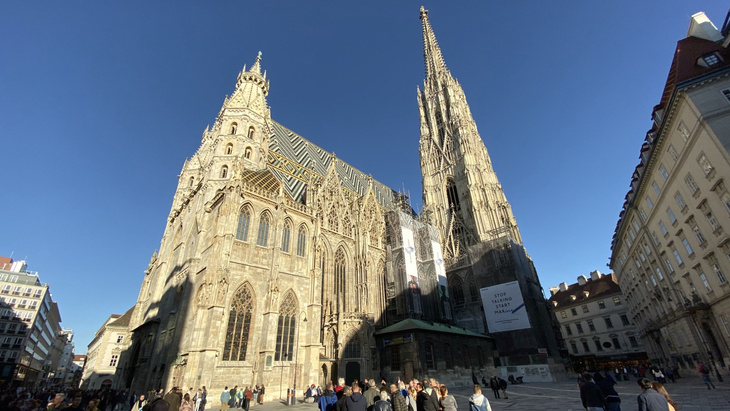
<point x="101" y="102"/>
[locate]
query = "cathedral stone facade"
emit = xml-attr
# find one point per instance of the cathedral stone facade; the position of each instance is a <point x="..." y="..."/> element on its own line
<point x="285" y="266"/>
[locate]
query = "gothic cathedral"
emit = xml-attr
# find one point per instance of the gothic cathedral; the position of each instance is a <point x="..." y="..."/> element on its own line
<point x="283" y="265"/>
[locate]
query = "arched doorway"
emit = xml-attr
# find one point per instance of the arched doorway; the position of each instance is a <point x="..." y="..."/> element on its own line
<point x="352" y="372"/>
<point x="324" y="373"/>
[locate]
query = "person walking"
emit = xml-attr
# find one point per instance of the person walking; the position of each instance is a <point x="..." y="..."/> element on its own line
<point x="423" y="400"/>
<point x="591" y="395"/>
<point x="328" y="399"/>
<point x="649" y="399"/>
<point x="262" y="391"/>
<point x="503" y="387"/>
<point x="658" y="387"/>
<point x="705" y="373"/>
<point x="448" y="402"/>
<point x="477" y="401"/>
<point x="173" y="398"/>
<point x="141" y="402"/>
<point x="610" y="396"/>
<point x="494" y="385"/>
<point x="225" y="397"/>
<point x="203" y="400"/>
<point x="356" y="401"/>
<point x="186" y="404"/>
<point x="247" y="397"/>
<point x="397" y="399"/>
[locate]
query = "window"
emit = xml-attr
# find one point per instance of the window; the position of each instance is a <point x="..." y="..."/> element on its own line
<point x="636" y="225"/>
<point x="573" y="311"/>
<point x="710" y="60"/>
<point x="680" y="201"/>
<point x="285" y="234"/>
<point x="705" y="164"/>
<point x="656" y="188"/>
<point x="430" y="363"/>
<point x="649" y="203"/>
<point x="718" y="272"/>
<point x="568" y="330"/>
<point x="563" y="314"/>
<point x="598" y="345"/>
<point x="243" y="221"/>
<point x="683" y="130"/>
<point x="340" y="270"/>
<point x="579" y="327"/>
<point x="726" y="94"/>
<point x="263" y="237"/>
<point x="625" y="320"/>
<point x="698" y="234"/>
<point x="448" y="358"/>
<point x="591" y="327"/>
<point x="659" y="274"/>
<point x="239" y="324"/>
<point x="120" y="339"/>
<point x="636" y="261"/>
<point x="234" y="128"/>
<point x="616" y="301"/>
<point x="704" y="281"/>
<point x="352" y="348"/>
<point x="653" y="280"/>
<point x="601" y="304"/>
<point x="247" y="153"/>
<point x="663" y="171"/>
<point x="229" y="148"/>
<point x="609" y="324"/>
<point x="725" y="197"/>
<point x="712" y="220"/>
<point x="687" y="246"/>
<point x="673" y="153"/>
<point x="669" y="265"/>
<point x="654" y="238"/>
<point x="671" y="216"/>
<point x="693" y="188"/>
<point x="676" y="256"/>
<point x="663" y="228"/>
<point x="286" y="329"/>
<point x="632" y="233"/>
<point x="224" y="172"/>
<point x="585" y="346"/>
<point x="633" y="342"/>
<point x="616" y="345"/>
<point x="395" y="358"/>
<point x="251" y="131"/>
<point x="585" y="308"/>
<point x="113" y="362"/>
<point x="574" y="348"/>
<point x="642" y="214"/>
<point x="301" y="241"/>
<point x="457" y="290"/>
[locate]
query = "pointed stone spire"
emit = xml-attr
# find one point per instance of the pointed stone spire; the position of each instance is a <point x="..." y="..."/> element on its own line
<point x="256" y="68"/>
<point x="431" y="51"/>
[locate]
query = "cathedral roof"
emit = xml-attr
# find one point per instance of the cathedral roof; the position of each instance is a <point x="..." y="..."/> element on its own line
<point x="296" y="161"/>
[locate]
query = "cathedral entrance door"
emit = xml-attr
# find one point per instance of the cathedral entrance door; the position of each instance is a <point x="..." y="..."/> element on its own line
<point x="352" y="372"/>
<point x="323" y="381"/>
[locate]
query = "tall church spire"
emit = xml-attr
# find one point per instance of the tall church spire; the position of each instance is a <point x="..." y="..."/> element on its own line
<point x="431" y="51"/>
<point x="462" y="196"/>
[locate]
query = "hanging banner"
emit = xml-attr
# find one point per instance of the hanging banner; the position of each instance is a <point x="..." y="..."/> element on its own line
<point x="504" y="307"/>
<point x="409" y="254"/>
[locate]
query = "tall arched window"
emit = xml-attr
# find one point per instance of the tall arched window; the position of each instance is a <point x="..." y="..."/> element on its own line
<point x="473" y="290"/>
<point x="239" y="324"/>
<point x="243" y="222"/>
<point x="340" y="271"/>
<point x="452" y="195"/>
<point x="285" y="234"/>
<point x="301" y="241"/>
<point x="448" y="357"/>
<point x="247" y="153"/>
<point x="250" y="132"/>
<point x="287" y="327"/>
<point x="352" y="349"/>
<point x="457" y="290"/>
<point x="234" y="128"/>
<point x="263" y="238"/>
<point x="224" y="171"/>
<point x="192" y="180"/>
<point x="229" y="148"/>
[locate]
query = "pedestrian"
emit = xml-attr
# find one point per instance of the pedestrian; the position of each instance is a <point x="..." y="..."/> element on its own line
<point x="591" y="395"/>
<point x="610" y="396"/>
<point x="356" y="401"/>
<point x="344" y="393"/>
<point x="186" y="404"/>
<point x="225" y="398"/>
<point x="197" y="398"/>
<point x="239" y="399"/>
<point x="141" y="402"/>
<point x="174" y="399"/>
<point x="423" y="400"/>
<point x="232" y="401"/>
<point x="58" y="402"/>
<point x="371" y="393"/>
<point x="397" y="399"/>
<point x="649" y="399"/>
<point x="658" y="387"/>
<point x="477" y="401"/>
<point x="503" y="387"/>
<point x="75" y="404"/>
<point x="448" y="402"/>
<point x="382" y="403"/>
<point x="435" y="393"/>
<point x="669" y="373"/>
<point x="262" y="391"/>
<point x="705" y="373"/>
<point x="494" y="385"/>
<point x="247" y="397"/>
<point x="328" y="399"/>
<point x="203" y="400"/>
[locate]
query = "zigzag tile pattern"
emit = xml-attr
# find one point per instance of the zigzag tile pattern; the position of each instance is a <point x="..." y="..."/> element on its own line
<point x="294" y="160"/>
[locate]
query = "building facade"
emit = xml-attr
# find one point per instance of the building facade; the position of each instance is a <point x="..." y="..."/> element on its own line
<point x="64" y="373"/>
<point x="104" y="351"/>
<point x="671" y="250"/>
<point x="29" y="328"/>
<point x="283" y="265"/>
<point x="595" y="324"/>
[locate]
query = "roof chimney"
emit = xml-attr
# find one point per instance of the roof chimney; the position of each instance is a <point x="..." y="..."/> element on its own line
<point x="582" y="280"/>
<point x="595" y="275"/>
<point x="700" y="26"/>
<point x="563" y="286"/>
<point x="554" y="290"/>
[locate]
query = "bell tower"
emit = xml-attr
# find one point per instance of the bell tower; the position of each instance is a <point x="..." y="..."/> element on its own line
<point x="462" y="196"/>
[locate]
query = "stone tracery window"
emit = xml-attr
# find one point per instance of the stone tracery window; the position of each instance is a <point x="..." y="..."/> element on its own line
<point x="287" y="327"/>
<point x="332" y="220"/>
<point x="352" y="349"/>
<point x="285" y="235"/>
<point x="457" y="290"/>
<point x="244" y="219"/>
<point x="239" y="324"/>
<point x="340" y="272"/>
<point x="301" y="241"/>
<point x="263" y="237"/>
<point x="346" y="226"/>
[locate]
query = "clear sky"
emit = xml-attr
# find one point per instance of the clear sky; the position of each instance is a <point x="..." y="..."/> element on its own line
<point x="102" y="102"/>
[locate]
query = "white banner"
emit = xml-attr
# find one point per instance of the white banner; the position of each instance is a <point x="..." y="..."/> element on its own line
<point x="438" y="261"/>
<point x="409" y="254"/>
<point x="504" y="307"/>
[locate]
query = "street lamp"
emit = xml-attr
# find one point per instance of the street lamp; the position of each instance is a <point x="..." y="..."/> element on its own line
<point x="296" y="365"/>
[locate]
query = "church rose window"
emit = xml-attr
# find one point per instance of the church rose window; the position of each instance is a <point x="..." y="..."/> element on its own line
<point x="286" y="329"/>
<point x="243" y="222"/>
<point x="239" y="325"/>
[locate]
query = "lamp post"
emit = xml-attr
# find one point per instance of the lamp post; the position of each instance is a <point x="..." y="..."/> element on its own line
<point x="296" y="365"/>
<point x="281" y="376"/>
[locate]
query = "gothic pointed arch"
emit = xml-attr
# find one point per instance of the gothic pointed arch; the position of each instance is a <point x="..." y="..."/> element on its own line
<point x="456" y="284"/>
<point x="286" y="330"/>
<point x="302" y="233"/>
<point x="244" y="222"/>
<point x="286" y="235"/>
<point x="473" y="288"/>
<point x="352" y="346"/>
<point x="240" y="321"/>
<point x="340" y="278"/>
<point x="262" y="237"/>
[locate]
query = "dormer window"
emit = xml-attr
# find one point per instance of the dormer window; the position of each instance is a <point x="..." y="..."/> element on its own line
<point x="585" y="294"/>
<point x="573" y="298"/>
<point x="709" y="60"/>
